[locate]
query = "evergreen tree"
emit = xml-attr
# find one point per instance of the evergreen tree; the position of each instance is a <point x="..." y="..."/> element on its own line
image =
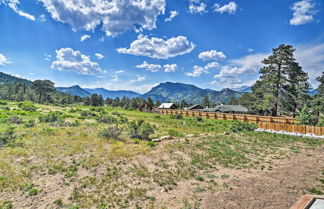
<point x="205" y="101"/>
<point x="43" y="89"/>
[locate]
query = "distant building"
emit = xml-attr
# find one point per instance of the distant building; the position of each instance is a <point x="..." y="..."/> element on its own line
<point x="234" y="109"/>
<point x="195" y="107"/>
<point x="167" y="106"/>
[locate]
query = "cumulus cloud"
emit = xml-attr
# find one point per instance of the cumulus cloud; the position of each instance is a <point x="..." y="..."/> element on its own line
<point x="42" y="18"/>
<point x="211" y="55"/>
<point x="197" y="8"/>
<point x="173" y="14"/>
<point x="138" y="79"/>
<point x="99" y="56"/>
<point x="3" y="60"/>
<point x="310" y="57"/>
<point x="13" y="4"/>
<point x="69" y="60"/>
<point x="159" y="48"/>
<point x="115" y="16"/>
<point x="84" y="37"/>
<point x="231" y="73"/>
<point x="229" y="8"/>
<point x="149" y="67"/>
<point x="252" y="62"/>
<point x="198" y="70"/>
<point x="303" y="12"/>
<point x="168" y="68"/>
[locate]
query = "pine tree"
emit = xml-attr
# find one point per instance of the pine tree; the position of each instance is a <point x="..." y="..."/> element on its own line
<point x="206" y="102"/>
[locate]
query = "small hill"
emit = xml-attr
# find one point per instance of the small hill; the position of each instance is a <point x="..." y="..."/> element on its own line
<point x="113" y="94"/>
<point x="74" y="90"/>
<point x="177" y="92"/>
<point x="6" y="79"/>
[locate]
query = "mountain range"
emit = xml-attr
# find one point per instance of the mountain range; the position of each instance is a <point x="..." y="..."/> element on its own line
<point x="164" y="92"/>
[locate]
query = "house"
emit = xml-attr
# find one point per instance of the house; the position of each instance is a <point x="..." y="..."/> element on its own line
<point x="235" y="109"/>
<point x="195" y="107"/>
<point x="167" y="106"/>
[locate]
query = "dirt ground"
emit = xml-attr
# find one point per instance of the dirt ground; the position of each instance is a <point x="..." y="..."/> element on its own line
<point x="279" y="188"/>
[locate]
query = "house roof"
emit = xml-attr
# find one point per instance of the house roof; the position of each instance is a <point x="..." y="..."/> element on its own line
<point x="166" y="105"/>
<point x="231" y="108"/>
<point x="193" y="106"/>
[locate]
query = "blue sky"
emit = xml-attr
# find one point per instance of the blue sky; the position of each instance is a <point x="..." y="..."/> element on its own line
<point x="134" y="45"/>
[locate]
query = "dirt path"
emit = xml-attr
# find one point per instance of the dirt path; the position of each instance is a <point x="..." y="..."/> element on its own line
<point x="276" y="189"/>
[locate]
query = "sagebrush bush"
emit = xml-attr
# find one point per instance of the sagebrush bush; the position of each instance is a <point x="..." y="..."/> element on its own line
<point x="109" y="119"/>
<point x="27" y="106"/>
<point x="29" y="123"/>
<point x="111" y="132"/>
<point x="141" y="130"/>
<point x="15" y="120"/>
<point x="3" y="102"/>
<point x="238" y="126"/>
<point x="50" y="117"/>
<point x="88" y="114"/>
<point x="177" y="116"/>
<point x="6" y="136"/>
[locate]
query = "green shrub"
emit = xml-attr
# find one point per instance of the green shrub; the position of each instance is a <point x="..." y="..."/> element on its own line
<point x="27" y="106"/>
<point x="177" y="116"/>
<point x="29" y="123"/>
<point x="15" y="120"/>
<point x="111" y="132"/>
<point x="7" y="136"/>
<point x="238" y="126"/>
<point x="3" y="102"/>
<point x="109" y="119"/>
<point x="140" y="129"/>
<point x="33" y="192"/>
<point x="199" y="119"/>
<point x="50" y="117"/>
<point x="88" y="114"/>
<point x="175" y="133"/>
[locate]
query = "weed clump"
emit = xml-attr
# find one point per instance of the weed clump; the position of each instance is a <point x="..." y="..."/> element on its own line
<point x="50" y="117"/>
<point x="7" y="136"/>
<point x="107" y="119"/>
<point x="15" y="120"/>
<point x="238" y="126"/>
<point x="177" y="116"/>
<point x="27" y="106"/>
<point x="29" y="123"/>
<point x="141" y="130"/>
<point x="111" y="132"/>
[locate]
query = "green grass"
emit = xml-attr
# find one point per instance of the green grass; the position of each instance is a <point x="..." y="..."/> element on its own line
<point x="107" y="173"/>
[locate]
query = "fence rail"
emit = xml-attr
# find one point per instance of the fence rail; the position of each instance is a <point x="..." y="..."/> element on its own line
<point x="265" y="122"/>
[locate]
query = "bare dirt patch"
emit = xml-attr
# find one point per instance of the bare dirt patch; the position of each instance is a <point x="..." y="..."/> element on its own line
<point x="279" y="188"/>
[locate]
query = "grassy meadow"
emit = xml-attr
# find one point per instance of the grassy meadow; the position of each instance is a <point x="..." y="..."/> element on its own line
<point x="89" y="157"/>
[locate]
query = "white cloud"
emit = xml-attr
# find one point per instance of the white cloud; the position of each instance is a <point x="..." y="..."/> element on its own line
<point x="119" y="71"/>
<point x="42" y="18"/>
<point x="211" y="55"/>
<point x="115" y="16"/>
<point x="170" y="68"/>
<point x="149" y="67"/>
<point x="212" y="65"/>
<point x="158" y="47"/>
<point x="311" y="58"/>
<point x="84" y="37"/>
<point x="3" y="60"/>
<point x="229" y="8"/>
<point x="138" y="79"/>
<point x="13" y="4"/>
<point x="173" y="14"/>
<point x="48" y="57"/>
<point x="70" y="60"/>
<point x="228" y="72"/>
<point x="252" y="62"/>
<point x="198" y="70"/>
<point x="214" y="83"/>
<point x="250" y="50"/>
<point x="303" y="12"/>
<point x="99" y="56"/>
<point x="197" y="8"/>
<point x="115" y="78"/>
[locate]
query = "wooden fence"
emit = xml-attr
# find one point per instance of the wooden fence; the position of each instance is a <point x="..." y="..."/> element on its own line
<point x="265" y="122"/>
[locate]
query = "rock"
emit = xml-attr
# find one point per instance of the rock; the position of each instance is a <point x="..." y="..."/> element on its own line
<point x="190" y="135"/>
<point x="226" y="133"/>
<point x="164" y="138"/>
<point x="156" y="140"/>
